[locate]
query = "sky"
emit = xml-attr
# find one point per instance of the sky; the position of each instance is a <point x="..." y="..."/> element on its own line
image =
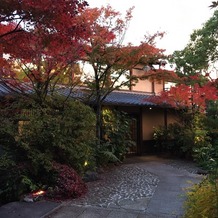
<point x="177" y="18"/>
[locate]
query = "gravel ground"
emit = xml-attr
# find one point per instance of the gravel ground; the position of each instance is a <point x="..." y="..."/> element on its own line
<point x="189" y="166"/>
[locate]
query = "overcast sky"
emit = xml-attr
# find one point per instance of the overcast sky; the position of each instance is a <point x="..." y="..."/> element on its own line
<point x="178" y="18"/>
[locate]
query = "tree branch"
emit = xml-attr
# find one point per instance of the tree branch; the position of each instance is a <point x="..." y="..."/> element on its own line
<point x="15" y="30"/>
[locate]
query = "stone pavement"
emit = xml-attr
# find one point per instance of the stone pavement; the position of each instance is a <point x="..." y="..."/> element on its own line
<point x="28" y="210"/>
<point x="142" y="187"/>
<point x="119" y="186"/>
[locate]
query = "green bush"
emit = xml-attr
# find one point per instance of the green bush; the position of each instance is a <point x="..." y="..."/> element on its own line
<point x="14" y="179"/>
<point x="65" y="136"/>
<point x="203" y="199"/>
<point x="116" y="140"/>
<point x="206" y="151"/>
<point x="171" y="140"/>
<point x="185" y="138"/>
<point x="162" y="139"/>
<point x="34" y="136"/>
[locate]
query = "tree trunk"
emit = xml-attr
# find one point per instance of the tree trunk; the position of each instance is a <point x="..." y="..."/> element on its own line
<point x="98" y="121"/>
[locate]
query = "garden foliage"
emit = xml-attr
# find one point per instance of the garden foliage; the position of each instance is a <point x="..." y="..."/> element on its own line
<point x="33" y="137"/>
<point x="68" y="183"/>
<point x="196" y="136"/>
<point x="116" y="139"/>
<point x="201" y="201"/>
<point x="185" y="137"/>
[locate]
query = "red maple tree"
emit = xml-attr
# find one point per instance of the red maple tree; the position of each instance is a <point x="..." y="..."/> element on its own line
<point x="193" y="93"/>
<point x="40" y="41"/>
<point x="110" y="58"/>
<point x="55" y="15"/>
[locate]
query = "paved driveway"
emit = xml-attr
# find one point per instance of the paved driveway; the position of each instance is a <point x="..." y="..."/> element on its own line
<point x="141" y="187"/>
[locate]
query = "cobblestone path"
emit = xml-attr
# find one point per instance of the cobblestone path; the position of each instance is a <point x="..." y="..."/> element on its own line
<point x="141" y="187"/>
<point x="115" y="188"/>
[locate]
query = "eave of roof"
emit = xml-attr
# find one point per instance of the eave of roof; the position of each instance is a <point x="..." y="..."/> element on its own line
<point x="115" y="98"/>
<point x="128" y="98"/>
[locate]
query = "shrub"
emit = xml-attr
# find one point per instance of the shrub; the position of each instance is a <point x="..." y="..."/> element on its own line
<point x="201" y="201"/>
<point x="61" y="134"/>
<point x="116" y="140"/>
<point x="161" y="137"/>
<point x="35" y="136"/>
<point x="186" y="138"/>
<point x="67" y="184"/>
<point x="170" y="139"/>
<point x="14" y="180"/>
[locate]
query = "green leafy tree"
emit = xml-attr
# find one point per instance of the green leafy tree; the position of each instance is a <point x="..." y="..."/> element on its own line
<point x="199" y="60"/>
<point x="201" y="53"/>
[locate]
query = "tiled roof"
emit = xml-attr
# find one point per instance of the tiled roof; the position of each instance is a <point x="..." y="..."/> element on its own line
<point x="77" y="92"/>
<point x="8" y="89"/>
<point x="125" y="98"/>
<point x="128" y="98"/>
<point x="4" y="90"/>
<point x="121" y="97"/>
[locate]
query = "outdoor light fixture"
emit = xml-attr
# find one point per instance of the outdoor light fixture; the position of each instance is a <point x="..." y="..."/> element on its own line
<point x="38" y="193"/>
